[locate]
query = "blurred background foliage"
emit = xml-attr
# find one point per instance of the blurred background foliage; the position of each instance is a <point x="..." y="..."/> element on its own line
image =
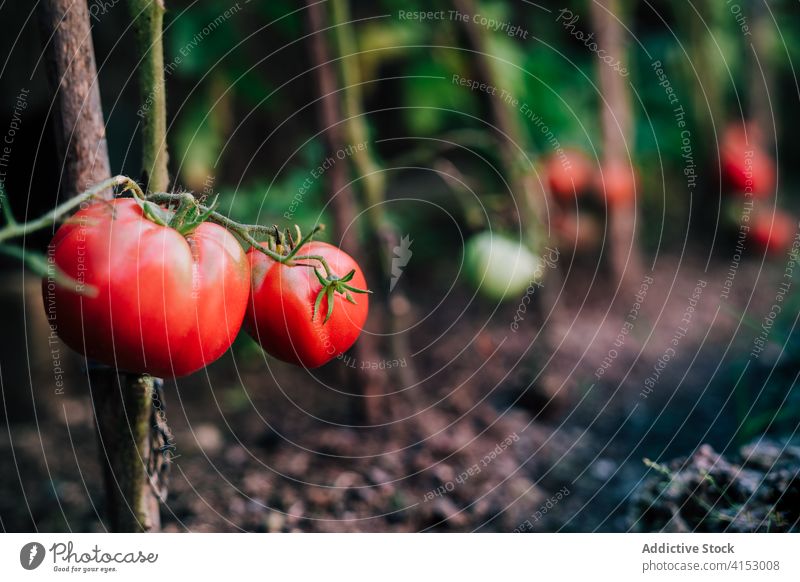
<point x="242" y="116"/>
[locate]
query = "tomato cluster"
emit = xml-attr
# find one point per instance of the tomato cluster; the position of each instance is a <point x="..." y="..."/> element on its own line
<point x="583" y="191"/>
<point x="748" y="169"/>
<point x="155" y="300"/>
<point x="571" y="174"/>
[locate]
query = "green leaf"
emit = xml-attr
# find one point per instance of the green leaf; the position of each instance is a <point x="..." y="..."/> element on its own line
<point x="317" y="302"/>
<point x="329" y="297"/>
<point x="154" y="212"/>
<point x="433" y="99"/>
<point x="356" y="289"/>
<point x="181" y="215"/>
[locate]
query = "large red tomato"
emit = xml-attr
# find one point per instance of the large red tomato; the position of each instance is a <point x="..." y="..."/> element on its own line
<point x="279" y="316"/>
<point x="165" y="304"/>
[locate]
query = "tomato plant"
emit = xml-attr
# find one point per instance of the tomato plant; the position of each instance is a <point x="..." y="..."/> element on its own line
<point x="300" y="315"/>
<point x="156" y="300"/>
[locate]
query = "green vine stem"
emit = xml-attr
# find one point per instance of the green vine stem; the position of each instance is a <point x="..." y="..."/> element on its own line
<point x="191" y="210"/>
<point x="354" y="124"/>
<point x="371" y="175"/>
<point x="37" y="262"/>
<point x="148" y="18"/>
<point x="13" y="229"/>
<point x="281" y="241"/>
<point x="523" y="182"/>
<point x="248" y="232"/>
<point x="281" y="247"/>
<point x="7" y="214"/>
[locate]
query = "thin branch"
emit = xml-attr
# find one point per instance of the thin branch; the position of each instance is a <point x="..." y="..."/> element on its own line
<point x="513" y="139"/>
<point x="374" y="187"/>
<point x="617" y="127"/>
<point x="148" y="18"/>
<point x="17" y="229"/>
<point x="341" y="193"/>
<point x="355" y="126"/>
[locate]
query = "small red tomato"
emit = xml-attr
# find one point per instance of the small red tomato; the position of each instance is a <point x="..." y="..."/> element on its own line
<point x="616" y="183"/>
<point x="569" y="175"/>
<point x="745" y="165"/>
<point x="773" y="232"/>
<point x="165" y="304"/>
<point x="281" y="315"/>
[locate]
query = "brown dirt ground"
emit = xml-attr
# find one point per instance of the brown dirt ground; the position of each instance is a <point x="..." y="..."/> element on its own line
<point x="261" y="447"/>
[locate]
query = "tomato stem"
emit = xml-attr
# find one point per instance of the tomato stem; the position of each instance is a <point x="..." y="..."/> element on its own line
<point x="188" y="214"/>
<point x="303" y="240"/>
<point x="321" y="260"/>
<point x="37" y="262"/>
<point x="331" y="285"/>
<point x="7" y="214"/>
<point x="16" y="229"/>
<point x="277" y="241"/>
<point x="246" y="232"/>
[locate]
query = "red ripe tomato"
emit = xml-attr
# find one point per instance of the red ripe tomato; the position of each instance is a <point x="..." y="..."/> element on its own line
<point x="745" y="166"/>
<point x="279" y="316"/>
<point x="773" y="233"/>
<point x="165" y="304"/>
<point x="569" y="175"/>
<point x="616" y="183"/>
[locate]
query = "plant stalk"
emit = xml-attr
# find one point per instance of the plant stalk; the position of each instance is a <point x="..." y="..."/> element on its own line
<point x="526" y="188"/>
<point x="128" y="433"/>
<point x="79" y="129"/>
<point x="530" y="198"/>
<point x="617" y="126"/>
<point x="82" y="151"/>
<point x="148" y="19"/>
<point x="374" y="189"/>
<point x="342" y="200"/>
<point x="137" y="458"/>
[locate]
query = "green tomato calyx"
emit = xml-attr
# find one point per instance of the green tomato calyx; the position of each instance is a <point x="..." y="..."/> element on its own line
<point x="332" y="285"/>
